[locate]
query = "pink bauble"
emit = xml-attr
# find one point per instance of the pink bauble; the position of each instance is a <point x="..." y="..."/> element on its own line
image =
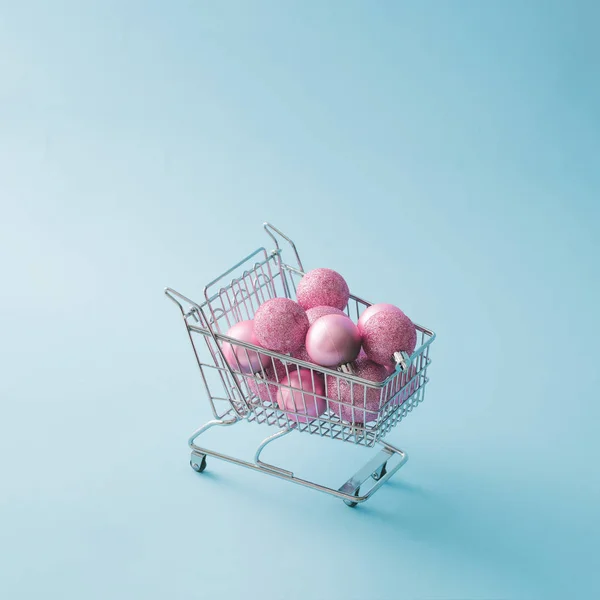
<point x="320" y="311"/>
<point x="264" y="389"/>
<point x="333" y="340"/>
<point x="359" y="403"/>
<point x="302" y="399"/>
<point x="373" y="310"/>
<point x="280" y="324"/>
<point x="243" y="359"/>
<point x="322" y="287"/>
<point x="387" y="332"/>
<point x="389" y="369"/>
<point x="411" y="385"/>
<point x="302" y="354"/>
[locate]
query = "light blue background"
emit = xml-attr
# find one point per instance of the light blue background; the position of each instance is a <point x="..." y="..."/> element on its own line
<point x="444" y="156"/>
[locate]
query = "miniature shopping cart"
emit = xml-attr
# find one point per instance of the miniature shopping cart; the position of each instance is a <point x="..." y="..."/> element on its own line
<point x="235" y="395"/>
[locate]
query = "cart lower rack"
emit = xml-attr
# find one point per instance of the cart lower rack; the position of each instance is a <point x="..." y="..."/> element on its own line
<point x="235" y="296"/>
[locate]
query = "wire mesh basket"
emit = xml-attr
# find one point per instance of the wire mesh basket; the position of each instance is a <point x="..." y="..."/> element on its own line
<point x="348" y="408"/>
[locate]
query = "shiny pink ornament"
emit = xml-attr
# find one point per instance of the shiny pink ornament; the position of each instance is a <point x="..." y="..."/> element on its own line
<point x="358" y="403"/>
<point x="280" y="324"/>
<point x="333" y="340"/>
<point x="320" y="311"/>
<point x="322" y="287"/>
<point x="243" y="359"/>
<point x="373" y="310"/>
<point x="387" y="332"/>
<point x="302" y="400"/>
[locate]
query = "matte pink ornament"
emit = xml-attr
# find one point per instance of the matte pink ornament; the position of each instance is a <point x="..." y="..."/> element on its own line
<point x="280" y="324"/>
<point x="333" y="340"/>
<point x="301" y="400"/>
<point x="320" y="311"/>
<point x="359" y="403"/>
<point x="373" y="310"/>
<point x="322" y="287"/>
<point x="243" y="359"/>
<point x="387" y="332"/>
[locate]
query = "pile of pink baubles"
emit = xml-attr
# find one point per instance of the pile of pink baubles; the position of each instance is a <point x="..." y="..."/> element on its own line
<point x="316" y="330"/>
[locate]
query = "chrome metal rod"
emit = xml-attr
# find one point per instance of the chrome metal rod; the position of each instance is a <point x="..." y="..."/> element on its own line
<point x="372" y="467"/>
<point x="346" y="492"/>
<point x="206" y="426"/>
<point x="270" y="228"/>
<point x="261" y="447"/>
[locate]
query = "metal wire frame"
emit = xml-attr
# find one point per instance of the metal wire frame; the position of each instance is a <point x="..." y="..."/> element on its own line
<point x="363" y="417"/>
<point x="396" y="396"/>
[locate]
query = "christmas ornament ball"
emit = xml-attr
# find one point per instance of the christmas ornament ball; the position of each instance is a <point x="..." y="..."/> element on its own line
<point x="280" y="324"/>
<point x="322" y="287"/>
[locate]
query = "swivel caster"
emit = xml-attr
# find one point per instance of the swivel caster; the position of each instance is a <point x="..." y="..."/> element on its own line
<point x="198" y="462"/>
<point x="350" y="503"/>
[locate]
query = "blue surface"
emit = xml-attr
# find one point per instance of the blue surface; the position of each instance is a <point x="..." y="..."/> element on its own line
<point x="442" y="156"/>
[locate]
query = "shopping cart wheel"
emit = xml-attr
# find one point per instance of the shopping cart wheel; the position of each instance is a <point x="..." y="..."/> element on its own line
<point x="349" y="502"/>
<point x="198" y="466"/>
<point x="377" y="475"/>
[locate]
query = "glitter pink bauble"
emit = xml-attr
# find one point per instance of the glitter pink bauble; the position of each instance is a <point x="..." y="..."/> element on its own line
<point x="302" y="400"/>
<point x="387" y="332"/>
<point x="243" y="359"/>
<point x="411" y="385"/>
<point x="320" y="311"/>
<point x="333" y="340"/>
<point x="302" y="354"/>
<point x="322" y="287"/>
<point x="389" y="369"/>
<point x="265" y="390"/>
<point x="280" y="324"/>
<point x="402" y="387"/>
<point x="360" y="403"/>
<point x="373" y="310"/>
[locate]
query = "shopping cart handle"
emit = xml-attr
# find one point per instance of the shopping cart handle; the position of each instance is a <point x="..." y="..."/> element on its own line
<point x="176" y="297"/>
<point x="270" y="229"/>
